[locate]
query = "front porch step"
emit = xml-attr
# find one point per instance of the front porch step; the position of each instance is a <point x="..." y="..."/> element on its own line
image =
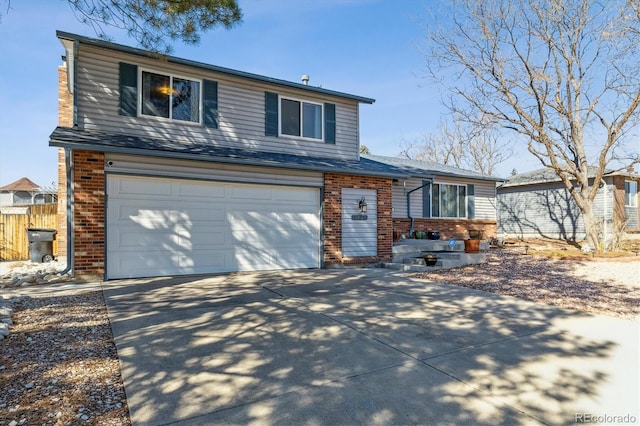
<point x="418" y="268"/>
<point x="445" y="261"/>
<point x="407" y="255"/>
<point x="417" y="246"/>
<point x="442" y="257"/>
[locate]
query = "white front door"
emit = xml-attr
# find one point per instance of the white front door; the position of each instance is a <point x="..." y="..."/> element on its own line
<point x="359" y="231"/>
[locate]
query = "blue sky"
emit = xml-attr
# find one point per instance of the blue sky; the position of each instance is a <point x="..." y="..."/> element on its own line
<point x="369" y="48"/>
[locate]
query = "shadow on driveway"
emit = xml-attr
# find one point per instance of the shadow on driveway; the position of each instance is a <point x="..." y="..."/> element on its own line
<point x="362" y="347"/>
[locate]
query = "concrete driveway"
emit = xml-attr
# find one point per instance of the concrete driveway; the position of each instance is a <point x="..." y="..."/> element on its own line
<point x="363" y="347"/>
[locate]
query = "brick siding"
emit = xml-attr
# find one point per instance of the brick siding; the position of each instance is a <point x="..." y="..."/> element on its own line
<point x="457" y="228"/>
<point x="89" y="212"/>
<point x="333" y="184"/>
<point x="65" y="119"/>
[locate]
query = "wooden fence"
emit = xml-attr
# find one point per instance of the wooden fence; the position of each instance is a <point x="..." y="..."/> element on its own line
<point x="14" y="244"/>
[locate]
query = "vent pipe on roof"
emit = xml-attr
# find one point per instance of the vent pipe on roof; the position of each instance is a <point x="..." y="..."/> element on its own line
<point x="305" y="79"/>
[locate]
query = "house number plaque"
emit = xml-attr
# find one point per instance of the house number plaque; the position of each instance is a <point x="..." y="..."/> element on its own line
<point x="358" y="217"/>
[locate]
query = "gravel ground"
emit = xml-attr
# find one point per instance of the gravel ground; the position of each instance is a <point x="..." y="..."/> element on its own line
<point x="601" y="286"/>
<point x="59" y="366"/>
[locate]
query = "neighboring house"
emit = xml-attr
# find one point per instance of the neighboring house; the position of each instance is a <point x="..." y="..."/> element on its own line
<point x="177" y="167"/>
<point x="537" y="204"/>
<point x="441" y="198"/>
<point x="23" y="192"/>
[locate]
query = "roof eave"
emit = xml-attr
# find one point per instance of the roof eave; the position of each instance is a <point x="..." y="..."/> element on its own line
<point x="61" y="143"/>
<point x="247" y="75"/>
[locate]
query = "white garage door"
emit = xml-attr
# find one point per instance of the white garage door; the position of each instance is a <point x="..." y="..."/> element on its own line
<point x="158" y="226"/>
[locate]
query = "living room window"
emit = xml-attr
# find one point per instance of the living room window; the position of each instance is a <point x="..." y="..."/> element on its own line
<point x="299" y="118"/>
<point x="631" y="193"/>
<point x="448" y="200"/>
<point x="170" y="97"/>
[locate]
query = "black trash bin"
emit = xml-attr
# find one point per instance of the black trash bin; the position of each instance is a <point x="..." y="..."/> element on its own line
<point x="41" y="244"/>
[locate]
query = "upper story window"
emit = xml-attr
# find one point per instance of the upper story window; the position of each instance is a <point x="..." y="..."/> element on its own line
<point x="300" y="119"/>
<point x="170" y="97"/>
<point x="154" y="94"/>
<point x="631" y="193"/>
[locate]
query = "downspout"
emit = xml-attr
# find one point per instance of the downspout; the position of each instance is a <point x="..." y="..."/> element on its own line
<point x="409" y="206"/>
<point x="69" y="173"/>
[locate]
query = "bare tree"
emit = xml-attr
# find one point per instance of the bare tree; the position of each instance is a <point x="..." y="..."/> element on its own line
<point x="462" y="145"/>
<point x="561" y="74"/>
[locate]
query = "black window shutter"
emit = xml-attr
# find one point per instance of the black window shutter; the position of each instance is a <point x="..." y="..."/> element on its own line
<point x="128" y="90"/>
<point x="329" y="123"/>
<point x="471" y="202"/>
<point x="270" y="114"/>
<point x="210" y="103"/>
<point x="426" y="199"/>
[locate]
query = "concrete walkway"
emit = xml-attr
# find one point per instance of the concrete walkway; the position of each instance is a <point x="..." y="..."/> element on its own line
<point x="363" y="347"/>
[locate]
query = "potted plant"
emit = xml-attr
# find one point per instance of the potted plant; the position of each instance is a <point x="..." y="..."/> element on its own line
<point x="472" y="245"/>
<point x="430" y="259"/>
<point x="433" y="235"/>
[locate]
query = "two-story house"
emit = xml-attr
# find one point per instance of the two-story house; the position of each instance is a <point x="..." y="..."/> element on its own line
<point x="171" y="167"/>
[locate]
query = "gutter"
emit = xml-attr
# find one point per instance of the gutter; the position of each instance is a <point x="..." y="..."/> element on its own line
<point x="320" y="166"/>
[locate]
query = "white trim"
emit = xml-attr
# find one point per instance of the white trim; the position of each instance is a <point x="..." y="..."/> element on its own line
<point x="301" y="101"/>
<point x="466" y="207"/>
<point x="633" y="197"/>
<point x="171" y="77"/>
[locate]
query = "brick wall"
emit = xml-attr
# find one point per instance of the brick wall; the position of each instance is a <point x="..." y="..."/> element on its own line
<point x="65" y="118"/>
<point x="65" y="99"/>
<point x="333" y="184"/>
<point x="457" y="228"/>
<point x="62" y="204"/>
<point x="89" y="212"/>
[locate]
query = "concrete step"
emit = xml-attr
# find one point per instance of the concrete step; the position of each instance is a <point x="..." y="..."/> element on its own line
<point x="407" y="247"/>
<point x="411" y="268"/>
<point x="400" y="258"/>
<point x="447" y="261"/>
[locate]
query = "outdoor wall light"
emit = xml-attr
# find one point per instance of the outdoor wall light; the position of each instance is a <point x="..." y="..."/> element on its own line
<point x="362" y="205"/>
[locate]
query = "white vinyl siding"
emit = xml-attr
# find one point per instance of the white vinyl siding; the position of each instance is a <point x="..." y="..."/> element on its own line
<point x="485" y="197"/>
<point x="548" y="210"/>
<point x="154" y="166"/>
<point x="538" y="211"/>
<point x="241" y="114"/>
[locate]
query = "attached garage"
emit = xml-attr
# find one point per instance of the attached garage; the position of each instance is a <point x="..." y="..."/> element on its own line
<point x="158" y="226"/>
